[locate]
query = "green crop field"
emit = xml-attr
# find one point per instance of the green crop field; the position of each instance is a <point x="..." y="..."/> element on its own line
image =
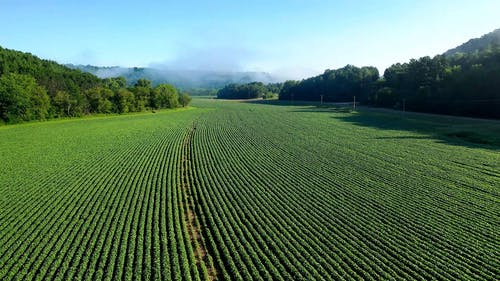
<point x="251" y="191"/>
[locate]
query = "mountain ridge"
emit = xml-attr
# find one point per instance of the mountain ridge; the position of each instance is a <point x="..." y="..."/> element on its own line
<point x="477" y="44"/>
<point x="184" y="79"/>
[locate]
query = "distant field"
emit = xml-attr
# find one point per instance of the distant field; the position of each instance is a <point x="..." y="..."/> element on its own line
<point x="244" y="191"/>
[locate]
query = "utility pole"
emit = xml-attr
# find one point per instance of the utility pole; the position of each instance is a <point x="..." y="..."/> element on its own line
<point x="321" y="99"/>
<point x="354" y="104"/>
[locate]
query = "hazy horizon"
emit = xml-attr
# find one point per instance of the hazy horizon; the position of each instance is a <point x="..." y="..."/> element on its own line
<point x="289" y="39"/>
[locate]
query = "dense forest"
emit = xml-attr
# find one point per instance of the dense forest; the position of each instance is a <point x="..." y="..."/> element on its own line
<point x="252" y="90"/>
<point x="463" y="84"/>
<point x="334" y="85"/>
<point x="464" y="81"/>
<point x="36" y="89"/>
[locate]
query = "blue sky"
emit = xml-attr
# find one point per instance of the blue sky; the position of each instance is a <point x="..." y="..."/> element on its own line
<point x="293" y="39"/>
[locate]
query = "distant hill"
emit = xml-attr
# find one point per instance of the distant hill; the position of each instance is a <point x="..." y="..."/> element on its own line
<point x="184" y="79"/>
<point x="477" y="44"/>
<point x="36" y="89"/>
<point x="49" y="74"/>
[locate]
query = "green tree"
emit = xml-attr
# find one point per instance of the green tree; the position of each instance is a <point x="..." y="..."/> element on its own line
<point x="143" y="83"/>
<point x="115" y="83"/>
<point x="244" y="91"/>
<point x="184" y="99"/>
<point x="105" y="104"/>
<point x="142" y="97"/>
<point x="165" y="96"/>
<point x="22" y="99"/>
<point x="125" y="101"/>
<point x="39" y="104"/>
<point x="64" y="103"/>
<point x="143" y="94"/>
<point x="99" y="100"/>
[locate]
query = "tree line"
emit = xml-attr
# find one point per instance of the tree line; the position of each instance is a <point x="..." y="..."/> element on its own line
<point x="333" y="85"/>
<point x="251" y="90"/>
<point x="36" y="89"/>
<point x="462" y="84"/>
<point x="465" y="84"/>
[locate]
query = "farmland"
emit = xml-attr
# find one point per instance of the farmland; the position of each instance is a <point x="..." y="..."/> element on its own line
<point x="251" y="191"/>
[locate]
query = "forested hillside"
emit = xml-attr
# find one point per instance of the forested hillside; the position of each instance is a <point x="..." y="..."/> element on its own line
<point x="36" y="89"/>
<point x="465" y="83"/>
<point x="51" y="75"/>
<point x="477" y="44"/>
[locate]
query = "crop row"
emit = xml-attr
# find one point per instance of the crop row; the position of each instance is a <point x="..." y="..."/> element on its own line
<point x="281" y="200"/>
<point x="115" y="215"/>
<point x="244" y="192"/>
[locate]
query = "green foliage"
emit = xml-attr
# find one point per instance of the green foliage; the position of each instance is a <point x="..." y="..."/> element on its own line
<point x="143" y="83"/>
<point x="462" y="84"/>
<point x="334" y="85"/>
<point x="115" y="83"/>
<point x="142" y="97"/>
<point x="184" y="99"/>
<point x="125" y="101"/>
<point x="269" y="95"/>
<point x="63" y="103"/>
<point x="21" y="99"/>
<point x="487" y="41"/>
<point x="245" y="91"/>
<point x="35" y="89"/>
<point x="48" y="74"/>
<point x="248" y="91"/>
<point x="165" y="96"/>
<point x="39" y="103"/>
<point x="201" y="92"/>
<point x="100" y="100"/>
<point x="385" y="97"/>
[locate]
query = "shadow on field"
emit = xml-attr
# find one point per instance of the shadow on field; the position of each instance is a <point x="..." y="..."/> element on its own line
<point x="462" y="131"/>
<point x="451" y="130"/>
<point x="308" y="106"/>
<point x="279" y="102"/>
<point x="331" y="109"/>
<point x="402" y="138"/>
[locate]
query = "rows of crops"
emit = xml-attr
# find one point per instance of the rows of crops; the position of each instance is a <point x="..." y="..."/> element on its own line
<point x="237" y="191"/>
<point x="95" y="199"/>
<point x="284" y="194"/>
